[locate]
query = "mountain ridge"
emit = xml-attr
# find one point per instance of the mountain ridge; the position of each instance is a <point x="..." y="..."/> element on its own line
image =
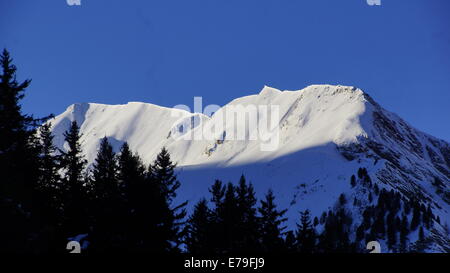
<point x="326" y="133"/>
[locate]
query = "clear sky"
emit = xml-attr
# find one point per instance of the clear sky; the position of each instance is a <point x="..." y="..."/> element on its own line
<point x="168" y="51"/>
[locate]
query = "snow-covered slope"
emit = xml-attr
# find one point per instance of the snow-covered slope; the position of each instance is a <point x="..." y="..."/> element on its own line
<point x="325" y="133"/>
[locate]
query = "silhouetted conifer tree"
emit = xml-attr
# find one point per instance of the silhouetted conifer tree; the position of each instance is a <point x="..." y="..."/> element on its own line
<point x="415" y="221"/>
<point x="48" y="193"/>
<point x="290" y="242"/>
<point x="162" y="175"/>
<point x="75" y="197"/>
<point x="19" y="163"/>
<point x="421" y="234"/>
<point x="391" y="230"/>
<point x="108" y="232"/>
<point x="353" y="181"/>
<point x="137" y="196"/>
<point x="248" y="221"/>
<point x="404" y="230"/>
<point x="306" y="234"/>
<point x="271" y="221"/>
<point x="199" y="237"/>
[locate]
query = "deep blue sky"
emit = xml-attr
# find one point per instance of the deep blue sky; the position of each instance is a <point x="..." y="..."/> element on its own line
<point x="166" y="52"/>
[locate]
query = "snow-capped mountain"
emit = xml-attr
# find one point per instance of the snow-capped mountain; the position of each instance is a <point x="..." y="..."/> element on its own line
<point x="324" y="135"/>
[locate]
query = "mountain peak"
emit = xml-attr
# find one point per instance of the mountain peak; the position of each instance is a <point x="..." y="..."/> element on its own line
<point x="267" y="90"/>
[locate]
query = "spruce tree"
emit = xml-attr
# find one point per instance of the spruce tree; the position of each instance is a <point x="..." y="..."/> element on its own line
<point x="248" y="221"/>
<point x="379" y="224"/>
<point x="404" y="231"/>
<point x="335" y="236"/>
<point x="73" y="160"/>
<point x="137" y="200"/>
<point x="376" y="189"/>
<point x="108" y="204"/>
<point x="162" y="175"/>
<point x="199" y="233"/>
<point x="19" y="162"/>
<point x="306" y="234"/>
<point x="315" y="221"/>
<point x="353" y="181"/>
<point x="229" y="220"/>
<point x="428" y="217"/>
<point x="342" y="199"/>
<point x="218" y="192"/>
<point x="271" y="221"/>
<point x="75" y="193"/>
<point x="421" y="234"/>
<point x="391" y="230"/>
<point x="49" y="180"/>
<point x="290" y="242"/>
<point x="131" y="173"/>
<point x="360" y="232"/>
<point x="104" y="172"/>
<point x="47" y="195"/>
<point x="415" y="221"/>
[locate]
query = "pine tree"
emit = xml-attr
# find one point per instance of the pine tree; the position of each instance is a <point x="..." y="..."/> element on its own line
<point x="379" y="224"/>
<point x="19" y="162"/>
<point x="75" y="195"/>
<point x="48" y="184"/>
<point x="376" y="189"/>
<point x="391" y="230"/>
<point x="218" y="192"/>
<point x="234" y="218"/>
<point x="218" y="228"/>
<point x="248" y="222"/>
<point x="47" y="194"/>
<point x="229" y="219"/>
<point x="415" y="221"/>
<point x="421" y="234"/>
<point x="360" y="232"/>
<point x="49" y="177"/>
<point x="360" y="173"/>
<point x="428" y="217"/>
<point x="407" y="207"/>
<point x="137" y="196"/>
<point x="290" y="242"/>
<point x="353" y="181"/>
<point x="105" y="173"/>
<point x="199" y="237"/>
<point x="404" y="231"/>
<point x="162" y="175"/>
<point x="329" y="236"/>
<point x="108" y="203"/>
<point x="323" y="217"/>
<point x="344" y="222"/>
<point x="73" y="159"/>
<point x="271" y="221"/>
<point x="131" y="173"/>
<point x="367" y="218"/>
<point x="306" y="234"/>
<point x="367" y="180"/>
<point x="342" y="199"/>
<point x="315" y="221"/>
